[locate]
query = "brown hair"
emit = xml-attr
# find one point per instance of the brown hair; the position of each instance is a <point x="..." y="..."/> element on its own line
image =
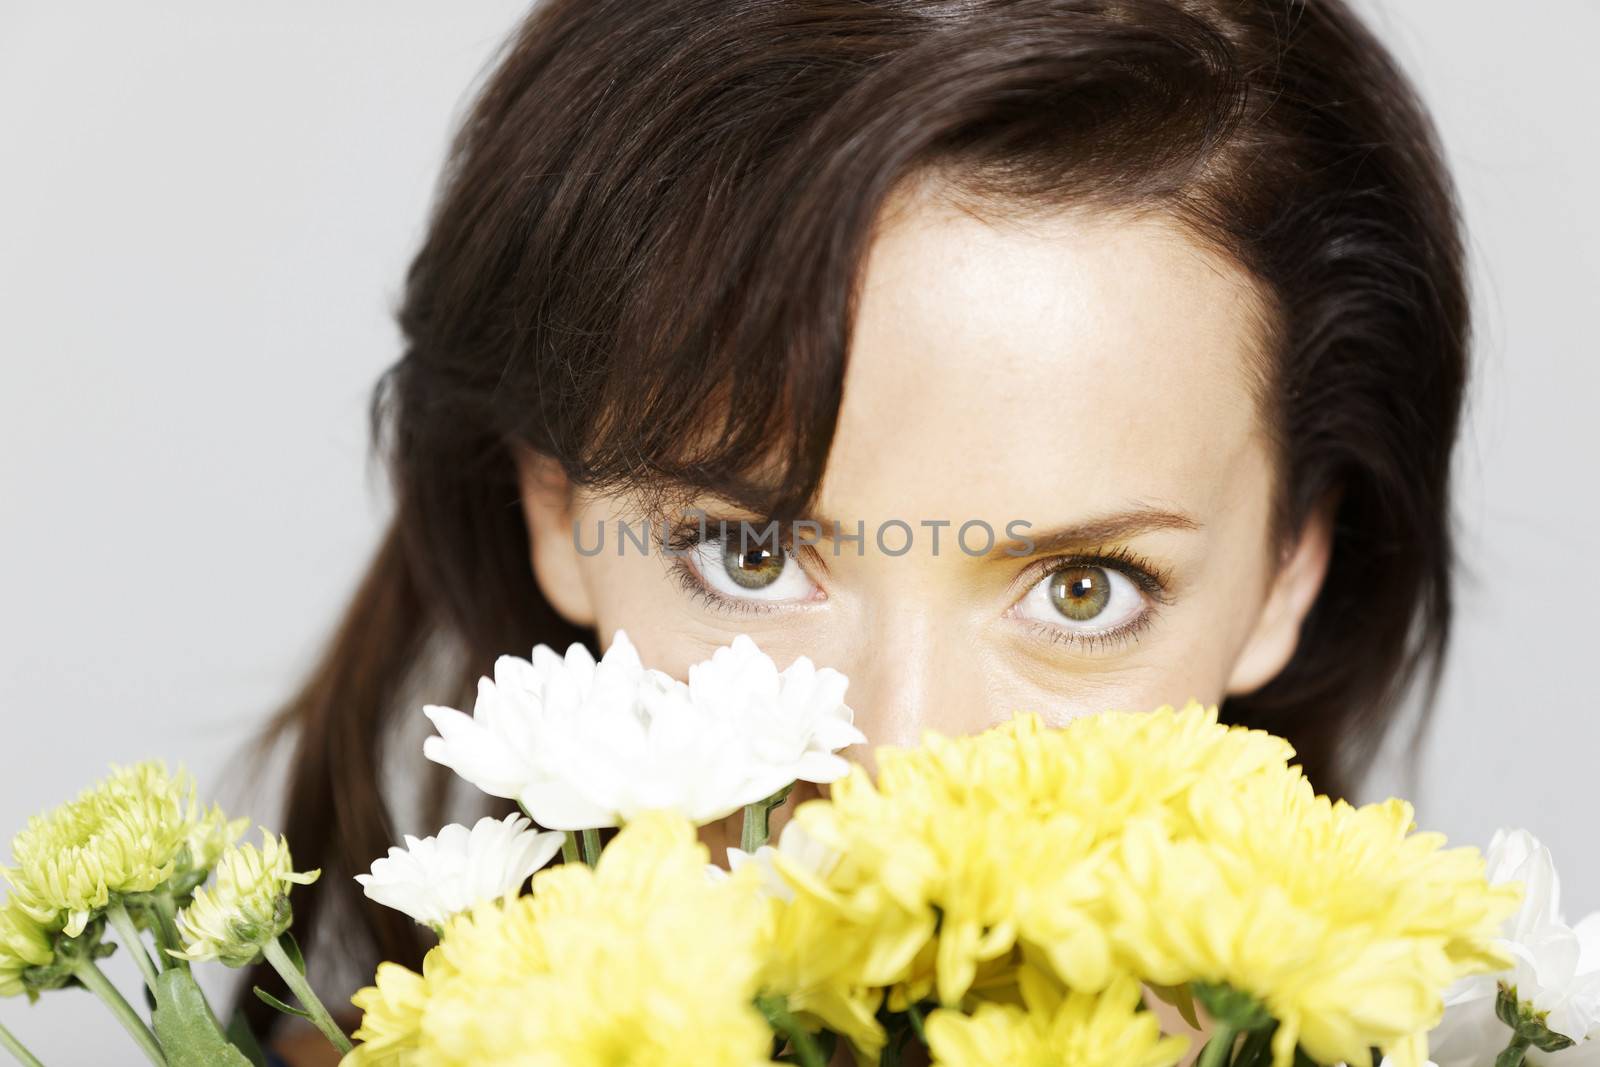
<point x="655" y="200"/>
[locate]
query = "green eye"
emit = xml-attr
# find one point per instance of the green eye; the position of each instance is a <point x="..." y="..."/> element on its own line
<point x="1086" y="601"/>
<point x="1080" y="593"/>
<point x="749" y="573"/>
<point x="755" y="568"/>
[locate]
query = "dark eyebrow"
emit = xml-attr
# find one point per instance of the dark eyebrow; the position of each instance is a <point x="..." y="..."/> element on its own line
<point x="1099" y="530"/>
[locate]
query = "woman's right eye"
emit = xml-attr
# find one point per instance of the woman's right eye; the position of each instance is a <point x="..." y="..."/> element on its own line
<point x="750" y="572"/>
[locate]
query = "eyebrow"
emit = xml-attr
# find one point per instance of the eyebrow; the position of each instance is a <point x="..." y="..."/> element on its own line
<point x="1118" y="526"/>
<point x="1098" y="530"/>
<point x="1115" y="526"/>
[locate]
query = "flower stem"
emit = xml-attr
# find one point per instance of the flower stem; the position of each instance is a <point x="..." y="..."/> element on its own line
<point x="166" y="931"/>
<point x="1219" y="1050"/>
<point x="1515" y="1053"/>
<point x="805" y="1047"/>
<point x="302" y="990"/>
<point x="757" y="822"/>
<point x="591" y="847"/>
<point x="569" y="849"/>
<point x="914" y="1016"/>
<point x="122" y="922"/>
<point x="16" y="1048"/>
<point x="97" y="983"/>
<point x="754" y="833"/>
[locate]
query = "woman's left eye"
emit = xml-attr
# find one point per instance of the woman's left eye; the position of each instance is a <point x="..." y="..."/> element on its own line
<point x="1084" y="600"/>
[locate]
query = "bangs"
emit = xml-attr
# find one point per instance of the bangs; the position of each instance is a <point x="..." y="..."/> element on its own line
<point x="678" y="293"/>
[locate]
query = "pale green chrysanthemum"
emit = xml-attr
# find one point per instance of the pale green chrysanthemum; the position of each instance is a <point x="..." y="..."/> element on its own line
<point x="247" y="907"/>
<point x="210" y="837"/>
<point x="129" y="833"/>
<point x="23" y="944"/>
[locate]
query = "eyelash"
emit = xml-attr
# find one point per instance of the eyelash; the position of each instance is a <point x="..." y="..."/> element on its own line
<point x="1151" y="580"/>
<point x="686" y="537"/>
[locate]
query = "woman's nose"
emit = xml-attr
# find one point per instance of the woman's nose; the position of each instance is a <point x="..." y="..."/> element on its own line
<point x="910" y="681"/>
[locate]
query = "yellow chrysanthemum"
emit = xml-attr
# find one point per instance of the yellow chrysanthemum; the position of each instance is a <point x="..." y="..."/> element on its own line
<point x="1343" y="923"/>
<point x="641" y="961"/>
<point x="807" y="961"/>
<point x="23" y="944"/>
<point x="128" y="833"/>
<point x="1122" y="765"/>
<point x="1055" y="1028"/>
<point x="391" y="1016"/>
<point x="966" y="848"/>
<point x="246" y="907"/>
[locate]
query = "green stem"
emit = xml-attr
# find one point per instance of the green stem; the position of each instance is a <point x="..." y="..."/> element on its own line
<point x="591" y="847"/>
<point x="98" y="984"/>
<point x="569" y="849"/>
<point x="1220" y="1048"/>
<point x="122" y="922"/>
<point x="757" y="820"/>
<point x="914" y="1014"/>
<point x="786" y="1024"/>
<point x="754" y="833"/>
<point x="1514" y="1054"/>
<point x="166" y="931"/>
<point x="15" y="1047"/>
<point x="308" y="999"/>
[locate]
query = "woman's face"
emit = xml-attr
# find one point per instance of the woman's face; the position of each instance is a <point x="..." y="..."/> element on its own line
<point x="1091" y="376"/>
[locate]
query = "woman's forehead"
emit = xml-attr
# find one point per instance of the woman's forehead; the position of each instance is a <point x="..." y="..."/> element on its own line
<point x="1095" y="356"/>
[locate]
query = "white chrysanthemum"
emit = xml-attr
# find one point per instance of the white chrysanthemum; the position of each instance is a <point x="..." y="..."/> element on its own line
<point x="434" y="878"/>
<point x="582" y="745"/>
<point x="1557" y="969"/>
<point x="498" y="747"/>
<point x="796" y="720"/>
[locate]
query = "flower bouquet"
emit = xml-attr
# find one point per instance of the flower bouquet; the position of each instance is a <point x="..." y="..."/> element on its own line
<point x="1029" y="895"/>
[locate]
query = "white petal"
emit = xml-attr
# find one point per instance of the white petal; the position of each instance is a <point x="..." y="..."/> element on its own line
<point x="473" y="752"/>
<point x="436" y="877"/>
<point x="557" y="806"/>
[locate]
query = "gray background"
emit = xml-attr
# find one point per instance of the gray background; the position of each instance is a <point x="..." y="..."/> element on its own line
<point x="205" y="212"/>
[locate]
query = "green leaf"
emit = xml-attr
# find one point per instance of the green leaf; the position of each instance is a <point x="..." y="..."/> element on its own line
<point x="1506" y="1008"/>
<point x="1549" y="1041"/>
<point x="1239" y="1011"/>
<point x="1257" y="1049"/>
<point x="1180" y="997"/>
<point x="187" y="1030"/>
<point x="244" y="1039"/>
<point x="273" y="1002"/>
<point x="1528" y="1027"/>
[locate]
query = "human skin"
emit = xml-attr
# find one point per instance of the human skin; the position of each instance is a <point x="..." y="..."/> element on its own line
<point x="1055" y="369"/>
<point x="1060" y="369"/>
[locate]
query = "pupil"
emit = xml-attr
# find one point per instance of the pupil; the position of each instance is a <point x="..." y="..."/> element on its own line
<point x="1080" y="593"/>
<point x="754" y="569"/>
